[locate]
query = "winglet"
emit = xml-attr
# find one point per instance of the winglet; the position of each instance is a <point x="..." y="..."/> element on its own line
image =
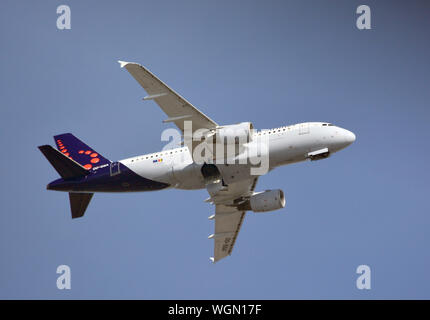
<point x="123" y="63"/>
<point x="212" y="259"/>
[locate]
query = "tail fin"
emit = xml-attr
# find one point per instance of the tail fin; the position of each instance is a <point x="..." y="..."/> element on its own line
<point x="74" y="148"/>
<point x="79" y="203"/>
<point x="66" y="167"/>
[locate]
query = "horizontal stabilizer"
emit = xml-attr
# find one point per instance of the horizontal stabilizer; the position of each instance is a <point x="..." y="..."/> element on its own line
<point x="79" y="203"/>
<point x="66" y="167"/>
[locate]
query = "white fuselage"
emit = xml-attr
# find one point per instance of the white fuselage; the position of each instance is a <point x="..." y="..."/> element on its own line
<point x="286" y="145"/>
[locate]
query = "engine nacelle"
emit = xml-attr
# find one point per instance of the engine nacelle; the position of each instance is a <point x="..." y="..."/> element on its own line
<point x="236" y="133"/>
<point x="265" y="201"/>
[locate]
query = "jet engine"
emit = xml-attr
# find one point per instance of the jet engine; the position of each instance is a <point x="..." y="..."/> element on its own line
<point x="265" y="201"/>
<point x="236" y="133"/>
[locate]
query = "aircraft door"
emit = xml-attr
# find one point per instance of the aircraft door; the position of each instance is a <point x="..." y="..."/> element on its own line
<point x="304" y="128"/>
<point x="114" y="168"/>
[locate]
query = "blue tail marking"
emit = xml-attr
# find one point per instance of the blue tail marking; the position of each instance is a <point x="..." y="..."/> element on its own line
<point x="74" y="148"/>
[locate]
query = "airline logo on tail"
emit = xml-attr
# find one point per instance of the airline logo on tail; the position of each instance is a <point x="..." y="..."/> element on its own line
<point x="78" y="151"/>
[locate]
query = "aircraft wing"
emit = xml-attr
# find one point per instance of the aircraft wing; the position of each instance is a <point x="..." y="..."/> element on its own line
<point x="228" y="218"/>
<point x="228" y="221"/>
<point x="176" y="107"/>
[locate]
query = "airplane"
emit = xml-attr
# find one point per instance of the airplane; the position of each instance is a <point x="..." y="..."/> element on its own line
<point x="231" y="184"/>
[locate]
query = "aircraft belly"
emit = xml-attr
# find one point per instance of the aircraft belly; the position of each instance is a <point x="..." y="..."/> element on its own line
<point x="178" y="171"/>
<point x="234" y="172"/>
<point x="157" y="171"/>
<point x="187" y="175"/>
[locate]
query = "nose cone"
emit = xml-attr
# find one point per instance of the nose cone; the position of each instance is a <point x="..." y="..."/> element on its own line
<point x="349" y="137"/>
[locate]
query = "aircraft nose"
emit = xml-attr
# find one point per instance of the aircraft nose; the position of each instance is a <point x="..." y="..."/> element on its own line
<point x="349" y="137"/>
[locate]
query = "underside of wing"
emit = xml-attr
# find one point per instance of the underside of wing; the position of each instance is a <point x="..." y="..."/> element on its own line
<point x="176" y="107"/>
<point x="231" y="193"/>
<point x="228" y="221"/>
<point x="228" y="218"/>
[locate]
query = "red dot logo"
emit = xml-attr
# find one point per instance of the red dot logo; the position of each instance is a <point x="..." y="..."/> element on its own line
<point x="95" y="160"/>
<point x="64" y="150"/>
<point x="93" y="155"/>
<point x="81" y="151"/>
<point x="88" y="166"/>
<point x="87" y="152"/>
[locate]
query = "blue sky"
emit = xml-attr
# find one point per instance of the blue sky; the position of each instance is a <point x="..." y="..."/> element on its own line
<point x="269" y="62"/>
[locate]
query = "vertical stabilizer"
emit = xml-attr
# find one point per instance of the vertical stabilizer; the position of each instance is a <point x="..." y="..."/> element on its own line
<point x="80" y="152"/>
